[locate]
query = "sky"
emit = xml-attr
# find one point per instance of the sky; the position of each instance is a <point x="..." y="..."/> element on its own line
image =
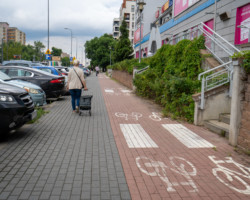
<point x="86" y="18"/>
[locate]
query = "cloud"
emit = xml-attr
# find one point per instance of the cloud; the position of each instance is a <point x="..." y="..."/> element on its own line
<point x="87" y="19"/>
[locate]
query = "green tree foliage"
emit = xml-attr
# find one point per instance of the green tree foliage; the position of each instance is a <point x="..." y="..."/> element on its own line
<point x="123" y="48"/>
<point x="65" y="61"/>
<point x="25" y="52"/>
<point x="56" y="52"/>
<point x="98" y="50"/>
<point x="172" y="77"/>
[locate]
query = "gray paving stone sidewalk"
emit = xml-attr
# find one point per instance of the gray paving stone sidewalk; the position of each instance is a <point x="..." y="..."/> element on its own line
<point x="64" y="156"/>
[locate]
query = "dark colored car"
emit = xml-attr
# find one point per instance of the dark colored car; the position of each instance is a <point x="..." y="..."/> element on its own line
<point x="63" y="70"/>
<point x="53" y="86"/>
<point x="16" y="107"/>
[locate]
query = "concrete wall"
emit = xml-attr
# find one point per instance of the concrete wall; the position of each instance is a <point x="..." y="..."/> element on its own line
<point x="244" y="133"/>
<point x="123" y="77"/>
<point x="217" y="101"/>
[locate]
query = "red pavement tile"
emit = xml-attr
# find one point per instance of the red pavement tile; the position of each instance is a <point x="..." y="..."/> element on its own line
<point x="172" y="164"/>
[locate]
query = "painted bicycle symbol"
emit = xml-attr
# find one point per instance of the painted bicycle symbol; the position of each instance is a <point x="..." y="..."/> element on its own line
<point x="231" y="178"/>
<point x="134" y="115"/>
<point x="157" y="168"/>
<point x="155" y="116"/>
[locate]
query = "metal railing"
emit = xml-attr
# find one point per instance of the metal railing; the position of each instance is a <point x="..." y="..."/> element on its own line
<point x="221" y="49"/>
<point x="136" y="71"/>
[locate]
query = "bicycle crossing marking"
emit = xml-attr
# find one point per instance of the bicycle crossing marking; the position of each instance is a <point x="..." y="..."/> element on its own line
<point x="240" y="185"/>
<point x="136" y="136"/>
<point x="158" y="168"/>
<point x="187" y="137"/>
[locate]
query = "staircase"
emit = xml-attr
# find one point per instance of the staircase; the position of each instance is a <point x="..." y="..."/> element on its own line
<point x="221" y="126"/>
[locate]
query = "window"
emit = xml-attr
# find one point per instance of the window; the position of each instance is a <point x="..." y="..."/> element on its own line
<point x="132" y="8"/>
<point x="133" y="25"/>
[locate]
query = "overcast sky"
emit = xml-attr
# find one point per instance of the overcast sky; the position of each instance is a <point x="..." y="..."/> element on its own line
<point x="86" y="18"/>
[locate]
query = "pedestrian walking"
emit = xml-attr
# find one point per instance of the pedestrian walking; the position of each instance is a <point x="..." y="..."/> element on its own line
<point x="97" y="69"/>
<point x="75" y="84"/>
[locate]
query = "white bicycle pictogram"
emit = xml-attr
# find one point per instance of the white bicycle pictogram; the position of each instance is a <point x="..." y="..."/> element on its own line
<point x="155" y="116"/>
<point x="231" y="178"/>
<point x="134" y="115"/>
<point x="158" y="168"/>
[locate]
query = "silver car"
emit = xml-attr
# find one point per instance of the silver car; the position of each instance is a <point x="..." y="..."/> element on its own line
<point x="37" y="94"/>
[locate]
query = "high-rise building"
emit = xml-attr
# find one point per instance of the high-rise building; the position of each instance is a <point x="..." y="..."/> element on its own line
<point x="3" y="31"/>
<point x="116" y="28"/>
<point x="16" y="35"/>
<point x="127" y="13"/>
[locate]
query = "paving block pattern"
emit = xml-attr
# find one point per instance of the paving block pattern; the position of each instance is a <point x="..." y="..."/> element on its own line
<point x="64" y="155"/>
<point x="193" y="164"/>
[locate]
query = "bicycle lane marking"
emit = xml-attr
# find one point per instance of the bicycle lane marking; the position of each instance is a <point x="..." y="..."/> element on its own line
<point x="235" y="180"/>
<point x="187" y="137"/>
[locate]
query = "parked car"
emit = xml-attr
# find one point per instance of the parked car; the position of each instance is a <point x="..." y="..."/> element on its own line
<point x="16" y="107"/>
<point x="53" y="85"/>
<point x="24" y="63"/>
<point x="49" y="69"/>
<point x="37" y="94"/>
<point x="63" y="70"/>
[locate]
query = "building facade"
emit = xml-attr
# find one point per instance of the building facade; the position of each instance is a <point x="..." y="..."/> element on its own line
<point x="16" y="35"/>
<point x="127" y="13"/>
<point x="167" y="21"/>
<point x="3" y="31"/>
<point x="116" y="28"/>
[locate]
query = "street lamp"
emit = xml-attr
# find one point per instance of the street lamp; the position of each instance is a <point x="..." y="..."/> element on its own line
<point x="48" y="24"/>
<point x="82" y="52"/>
<point x="76" y="45"/>
<point x="141" y="4"/>
<point x="110" y="48"/>
<point x="71" y="38"/>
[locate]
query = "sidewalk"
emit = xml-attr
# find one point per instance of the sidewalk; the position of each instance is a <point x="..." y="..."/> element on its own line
<point x="165" y="159"/>
<point x="64" y="156"/>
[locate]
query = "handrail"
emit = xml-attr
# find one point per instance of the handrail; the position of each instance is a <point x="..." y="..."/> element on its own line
<point x="213" y="69"/>
<point x="220" y="37"/>
<point x="141" y="70"/>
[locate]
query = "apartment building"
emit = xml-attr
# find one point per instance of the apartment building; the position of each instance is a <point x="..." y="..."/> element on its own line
<point x="116" y="28"/>
<point x="3" y="31"/>
<point x="16" y="35"/>
<point x="127" y="13"/>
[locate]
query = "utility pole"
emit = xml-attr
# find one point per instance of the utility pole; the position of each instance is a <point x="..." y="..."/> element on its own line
<point x="48" y="24"/>
<point x="2" y="50"/>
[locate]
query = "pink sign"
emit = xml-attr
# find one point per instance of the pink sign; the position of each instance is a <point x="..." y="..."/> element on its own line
<point x="181" y="5"/>
<point x="209" y="24"/>
<point x="243" y="20"/>
<point x="137" y="35"/>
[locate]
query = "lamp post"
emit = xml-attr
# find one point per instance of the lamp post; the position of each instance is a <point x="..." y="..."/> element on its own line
<point x="82" y="52"/>
<point x="110" y="55"/>
<point x="48" y="24"/>
<point x="141" y="4"/>
<point x="76" y="45"/>
<point x="71" y="39"/>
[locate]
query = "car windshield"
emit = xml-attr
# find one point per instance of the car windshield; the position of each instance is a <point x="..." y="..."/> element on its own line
<point x="4" y="76"/>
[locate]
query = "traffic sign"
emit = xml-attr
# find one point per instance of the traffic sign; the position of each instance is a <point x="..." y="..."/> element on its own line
<point x="70" y="59"/>
<point x="48" y="56"/>
<point x="48" y="52"/>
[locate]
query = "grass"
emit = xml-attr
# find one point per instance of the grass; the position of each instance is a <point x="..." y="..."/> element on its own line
<point x="40" y="113"/>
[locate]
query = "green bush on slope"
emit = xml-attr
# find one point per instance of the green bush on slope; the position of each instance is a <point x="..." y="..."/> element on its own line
<point x="172" y="78"/>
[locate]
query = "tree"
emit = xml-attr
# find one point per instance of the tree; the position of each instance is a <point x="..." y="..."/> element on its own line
<point x="39" y="46"/>
<point x="65" y="61"/>
<point x="56" y="51"/>
<point x="98" y="50"/>
<point x="123" y="48"/>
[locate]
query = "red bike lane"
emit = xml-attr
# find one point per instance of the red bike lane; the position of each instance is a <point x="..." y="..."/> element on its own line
<point x="166" y="159"/>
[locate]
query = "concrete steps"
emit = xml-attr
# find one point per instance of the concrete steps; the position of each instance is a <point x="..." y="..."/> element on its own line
<point x="221" y="126"/>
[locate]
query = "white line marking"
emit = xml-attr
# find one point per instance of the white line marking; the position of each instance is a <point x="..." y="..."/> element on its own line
<point x="126" y="91"/>
<point x="136" y="136"/>
<point x="109" y="91"/>
<point x="187" y="137"/>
